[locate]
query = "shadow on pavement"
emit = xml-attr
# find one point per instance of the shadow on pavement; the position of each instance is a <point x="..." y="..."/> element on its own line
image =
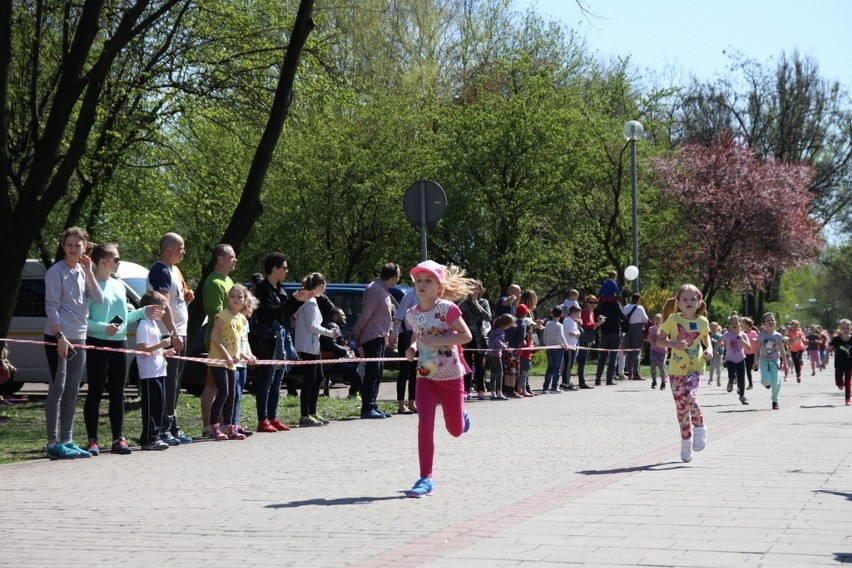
<point x="818" y="406"/>
<point x="841" y="493"/>
<point x="332" y="502"/>
<point x="651" y="467"/>
<point x="737" y="410"/>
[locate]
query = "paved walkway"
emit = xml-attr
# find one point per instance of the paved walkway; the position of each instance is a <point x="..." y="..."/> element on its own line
<point x="587" y="478"/>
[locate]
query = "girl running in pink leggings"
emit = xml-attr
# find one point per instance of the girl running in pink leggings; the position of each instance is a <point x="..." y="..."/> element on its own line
<point x="439" y="332"/>
<point x="687" y="334"/>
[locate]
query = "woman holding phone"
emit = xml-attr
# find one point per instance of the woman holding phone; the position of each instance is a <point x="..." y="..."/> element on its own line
<point x="107" y="327"/>
<point x="68" y="287"/>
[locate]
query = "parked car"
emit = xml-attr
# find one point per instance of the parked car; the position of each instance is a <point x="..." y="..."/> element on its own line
<point x="347" y="297"/>
<point x="29" y="319"/>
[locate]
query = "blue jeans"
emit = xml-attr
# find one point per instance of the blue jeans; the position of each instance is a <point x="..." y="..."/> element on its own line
<point x="611" y="341"/>
<point x="242" y="372"/>
<point x="554" y="367"/>
<point x="524" y="375"/>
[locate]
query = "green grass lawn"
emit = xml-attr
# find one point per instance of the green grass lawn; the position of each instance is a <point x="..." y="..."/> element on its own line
<point x="23" y="435"/>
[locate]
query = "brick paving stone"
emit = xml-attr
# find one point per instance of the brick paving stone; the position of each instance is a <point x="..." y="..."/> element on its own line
<point x="589" y="478"/>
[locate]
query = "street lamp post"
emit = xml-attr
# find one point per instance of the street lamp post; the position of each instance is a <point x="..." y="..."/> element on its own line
<point x="632" y="132"/>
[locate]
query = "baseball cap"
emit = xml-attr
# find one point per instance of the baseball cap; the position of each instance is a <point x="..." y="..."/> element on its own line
<point x="437" y="271"/>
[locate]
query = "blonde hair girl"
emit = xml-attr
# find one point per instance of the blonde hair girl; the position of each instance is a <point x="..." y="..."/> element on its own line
<point x="439" y="332"/>
<point x="687" y="333"/>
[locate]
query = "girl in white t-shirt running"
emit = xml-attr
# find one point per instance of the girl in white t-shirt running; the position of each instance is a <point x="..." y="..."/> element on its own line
<point x="439" y="333"/>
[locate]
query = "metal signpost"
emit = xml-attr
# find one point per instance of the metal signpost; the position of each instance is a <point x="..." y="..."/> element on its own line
<point x="424" y="204"/>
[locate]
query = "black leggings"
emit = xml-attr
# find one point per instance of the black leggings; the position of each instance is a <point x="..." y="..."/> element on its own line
<point x="797" y="361"/>
<point x="226" y="383"/>
<point x="102" y="368"/>
<point x="736" y="372"/>
<point x="311" y="383"/>
<point x="407" y="369"/>
<point x="749" y="363"/>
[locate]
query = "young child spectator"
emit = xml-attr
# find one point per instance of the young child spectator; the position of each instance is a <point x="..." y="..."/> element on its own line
<point x="228" y="327"/>
<point x="554" y="336"/>
<point x="522" y="389"/>
<point x="718" y="352"/>
<point x="335" y="348"/>
<point x="770" y="356"/>
<point x="248" y="358"/>
<point x="796" y="340"/>
<point x="570" y="300"/>
<point x="840" y="345"/>
<point x="571" y="332"/>
<point x="687" y="334"/>
<point x="610" y="290"/>
<point x="496" y="345"/>
<point x="748" y="328"/>
<point x="152" y="372"/>
<point x="439" y="330"/>
<point x="657" y="355"/>
<point x="733" y="342"/>
<point x="308" y="331"/>
<point x="515" y="340"/>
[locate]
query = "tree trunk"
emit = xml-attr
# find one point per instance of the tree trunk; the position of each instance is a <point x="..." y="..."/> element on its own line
<point x="249" y="208"/>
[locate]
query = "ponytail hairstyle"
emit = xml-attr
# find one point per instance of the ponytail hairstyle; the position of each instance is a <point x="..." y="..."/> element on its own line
<point x="671" y="303"/>
<point x="249" y="304"/>
<point x="312" y="280"/>
<point x="456" y="285"/>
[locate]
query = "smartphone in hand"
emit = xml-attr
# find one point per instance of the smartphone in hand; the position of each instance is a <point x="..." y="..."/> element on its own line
<point x="117" y="320"/>
<point x="70" y="354"/>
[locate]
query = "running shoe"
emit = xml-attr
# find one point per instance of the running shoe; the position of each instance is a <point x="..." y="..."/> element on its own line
<point x="422" y="487"/>
<point x="81" y="453"/>
<point x="184" y="439"/>
<point x="60" y="452"/>
<point x="120" y="447"/>
<point x="308" y="422"/>
<point x="265" y="426"/>
<point x="93" y="448"/>
<point x="234" y="434"/>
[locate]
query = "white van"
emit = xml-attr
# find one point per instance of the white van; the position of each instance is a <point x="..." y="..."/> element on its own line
<point x="29" y="320"/>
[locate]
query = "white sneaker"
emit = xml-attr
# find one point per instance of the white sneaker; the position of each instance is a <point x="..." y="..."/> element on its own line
<point x="699" y="438"/>
<point x="686" y="450"/>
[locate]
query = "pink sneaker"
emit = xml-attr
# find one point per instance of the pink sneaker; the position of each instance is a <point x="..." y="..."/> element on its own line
<point x="216" y="433"/>
<point x="234" y="434"/>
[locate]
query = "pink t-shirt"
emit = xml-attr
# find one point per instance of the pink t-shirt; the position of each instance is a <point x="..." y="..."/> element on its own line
<point x="653" y="332"/>
<point x="735" y="344"/>
<point x="439" y="363"/>
<point x="752" y="337"/>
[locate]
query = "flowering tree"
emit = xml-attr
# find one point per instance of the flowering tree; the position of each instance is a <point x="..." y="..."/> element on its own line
<point x="743" y="219"/>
